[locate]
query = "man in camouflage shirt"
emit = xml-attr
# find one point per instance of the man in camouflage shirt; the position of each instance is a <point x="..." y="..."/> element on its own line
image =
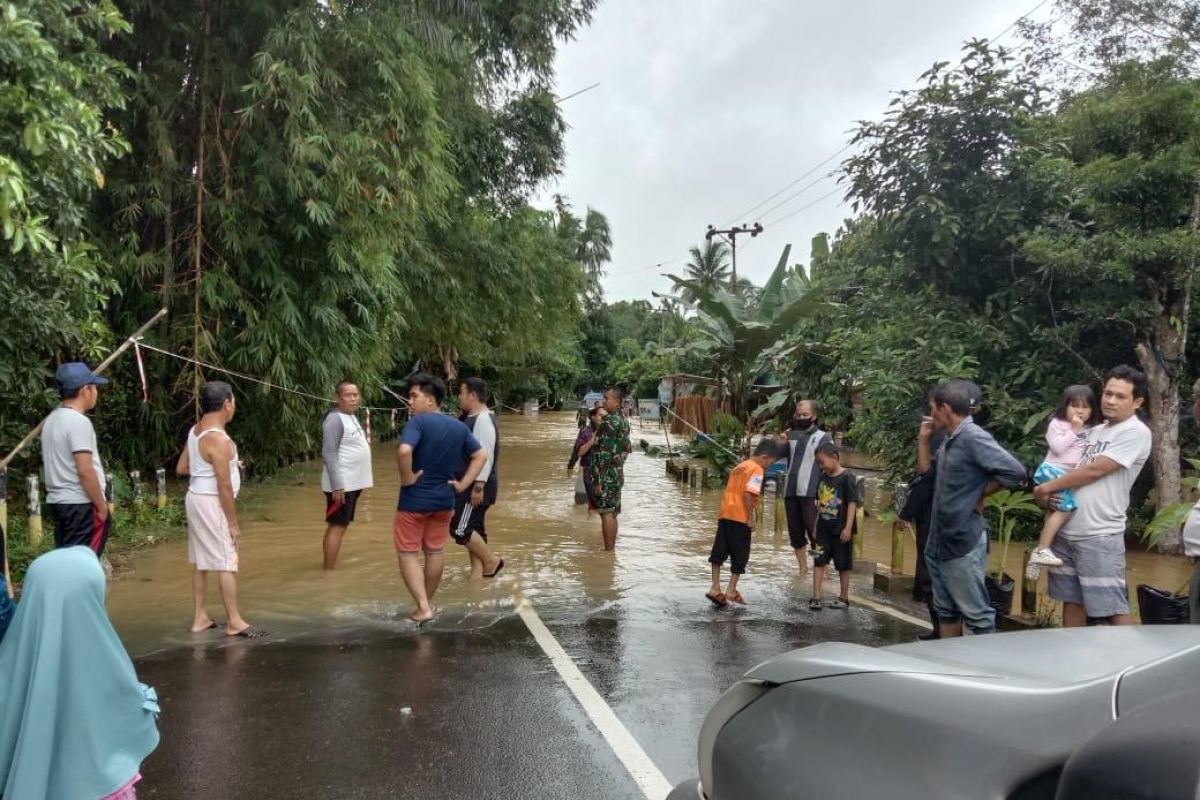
<point x="608" y="461"/>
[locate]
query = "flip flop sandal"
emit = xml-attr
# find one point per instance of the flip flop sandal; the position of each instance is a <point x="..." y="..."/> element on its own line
<point x="496" y="571"/>
<point x="814" y="604"/>
<point x="736" y="597"/>
<point x="249" y="633"/>
<point x="839" y="603"/>
<point x="719" y="600"/>
<point x="212" y="625"/>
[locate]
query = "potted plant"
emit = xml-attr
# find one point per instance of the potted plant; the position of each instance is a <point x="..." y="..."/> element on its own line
<point x="1161" y="606"/>
<point x="1007" y="504"/>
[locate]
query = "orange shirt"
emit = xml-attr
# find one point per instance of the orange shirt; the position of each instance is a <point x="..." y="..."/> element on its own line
<point x="746" y="478"/>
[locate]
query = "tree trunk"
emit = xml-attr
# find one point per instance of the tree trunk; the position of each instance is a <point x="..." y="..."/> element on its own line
<point x="1162" y="356"/>
<point x="1155" y="356"/>
<point x="198" y="222"/>
<point x="448" y="355"/>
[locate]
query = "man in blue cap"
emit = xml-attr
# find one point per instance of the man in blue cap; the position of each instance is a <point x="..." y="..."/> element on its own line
<point x="75" y="479"/>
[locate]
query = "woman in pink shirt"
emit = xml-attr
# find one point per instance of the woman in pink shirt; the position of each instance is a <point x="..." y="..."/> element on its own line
<point x="1066" y="437"/>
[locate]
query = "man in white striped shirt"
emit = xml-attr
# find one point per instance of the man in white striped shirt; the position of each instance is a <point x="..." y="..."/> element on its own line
<point x="801" y="479"/>
<point x="470" y="508"/>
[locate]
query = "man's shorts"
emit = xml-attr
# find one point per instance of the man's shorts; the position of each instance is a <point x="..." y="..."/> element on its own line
<point x="832" y="548"/>
<point x="210" y="543"/>
<point x="1048" y="472"/>
<point x="1092" y="574"/>
<point x="801" y="521"/>
<point x="341" y="512"/>
<point x="732" y="542"/>
<point x="468" y="519"/>
<point x="414" y="531"/>
<point x="606" y="500"/>
<point x="78" y="523"/>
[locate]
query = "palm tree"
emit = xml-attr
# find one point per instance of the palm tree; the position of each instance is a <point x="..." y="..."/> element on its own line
<point x="594" y="250"/>
<point x="708" y="268"/>
<point x="588" y="241"/>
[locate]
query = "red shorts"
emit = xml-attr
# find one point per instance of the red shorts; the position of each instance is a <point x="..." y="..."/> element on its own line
<point x="421" y="530"/>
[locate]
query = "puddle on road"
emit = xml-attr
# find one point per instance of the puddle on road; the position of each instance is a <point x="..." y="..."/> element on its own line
<point x="551" y="547"/>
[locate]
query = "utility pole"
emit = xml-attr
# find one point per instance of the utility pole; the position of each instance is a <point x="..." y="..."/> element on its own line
<point x="730" y="235"/>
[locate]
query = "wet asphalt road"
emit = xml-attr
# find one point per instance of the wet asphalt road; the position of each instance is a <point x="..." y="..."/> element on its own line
<point x="490" y="717"/>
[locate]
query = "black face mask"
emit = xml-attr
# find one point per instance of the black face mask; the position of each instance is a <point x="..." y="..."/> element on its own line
<point x="802" y="423"/>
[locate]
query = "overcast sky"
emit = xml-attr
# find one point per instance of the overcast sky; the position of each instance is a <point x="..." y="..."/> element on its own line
<point x="707" y="107"/>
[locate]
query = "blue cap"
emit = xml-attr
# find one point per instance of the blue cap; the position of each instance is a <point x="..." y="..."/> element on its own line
<point x="75" y="375"/>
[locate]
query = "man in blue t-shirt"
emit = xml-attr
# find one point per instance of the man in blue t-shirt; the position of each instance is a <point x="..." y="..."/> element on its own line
<point x="433" y="447"/>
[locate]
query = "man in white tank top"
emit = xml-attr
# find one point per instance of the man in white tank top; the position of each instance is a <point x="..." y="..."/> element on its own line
<point x="345" y="470"/>
<point x="211" y="462"/>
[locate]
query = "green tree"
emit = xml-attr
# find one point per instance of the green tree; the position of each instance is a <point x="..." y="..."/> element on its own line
<point x="708" y="267"/>
<point x="58" y="92"/>
<point x="589" y="242"/>
<point x="739" y="333"/>
<point x="931" y="276"/>
<point x="1127" y="245"/>
<point x="336" y="189"/>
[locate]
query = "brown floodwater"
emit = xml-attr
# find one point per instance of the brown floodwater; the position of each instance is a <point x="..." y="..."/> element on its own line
<point x="550" y="545"/>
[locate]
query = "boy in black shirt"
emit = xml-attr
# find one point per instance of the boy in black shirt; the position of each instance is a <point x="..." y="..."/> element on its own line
<point x="837" y="501"/>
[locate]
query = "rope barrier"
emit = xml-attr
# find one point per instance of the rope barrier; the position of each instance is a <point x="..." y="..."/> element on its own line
<point x="261" y="381"/>
<point x="714" y="442"/>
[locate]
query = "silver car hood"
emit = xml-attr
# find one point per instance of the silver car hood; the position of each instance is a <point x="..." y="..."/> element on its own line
<point x="1049" y="657"/>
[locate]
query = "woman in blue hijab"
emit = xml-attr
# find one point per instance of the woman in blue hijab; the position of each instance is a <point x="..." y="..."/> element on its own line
<point x="75" y="724"/>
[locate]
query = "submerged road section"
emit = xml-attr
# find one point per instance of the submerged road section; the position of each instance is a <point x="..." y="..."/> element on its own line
<point x="575" y="674"/>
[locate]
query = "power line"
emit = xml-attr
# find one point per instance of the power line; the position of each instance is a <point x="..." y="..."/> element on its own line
<point x="808" y="173"/>
<point x="576" y="94"/>
<point x="807" y="206"/>
<point x="752" y="209"/>
<point x="849" y="145"/>
<point x="794" y="195"/>
<point x="1018" y="20"/>
<point x="647" y="268"/>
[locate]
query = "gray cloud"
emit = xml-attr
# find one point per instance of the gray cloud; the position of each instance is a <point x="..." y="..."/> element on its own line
<point x="706" y="108"/>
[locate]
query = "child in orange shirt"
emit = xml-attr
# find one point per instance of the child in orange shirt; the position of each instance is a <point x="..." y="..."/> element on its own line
<point x="736" y="522"/>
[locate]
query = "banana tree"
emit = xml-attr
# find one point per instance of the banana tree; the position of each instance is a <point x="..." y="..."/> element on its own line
<point x="740" y="330"/>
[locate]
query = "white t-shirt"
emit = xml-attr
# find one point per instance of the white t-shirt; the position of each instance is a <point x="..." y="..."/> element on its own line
<point x="1103" y="503"/>
<point x="1191" y="532"/>
<point x="346" y="448"/>
<point x="66" y="433"/>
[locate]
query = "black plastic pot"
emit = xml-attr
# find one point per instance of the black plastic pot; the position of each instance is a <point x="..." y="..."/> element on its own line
<point x="1160" y="607"/>
<point x="1001" y="594"/>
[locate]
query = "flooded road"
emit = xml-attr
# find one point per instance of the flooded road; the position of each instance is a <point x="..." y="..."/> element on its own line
<point x="551" y="547"/>
<point x="346" y="701"/>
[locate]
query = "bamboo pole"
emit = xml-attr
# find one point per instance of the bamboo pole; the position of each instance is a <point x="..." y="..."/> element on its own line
<point x="35" y="511"/>
<point x="160" y="476"/>
<point x="898" y="534"/>
<point x="33" y="434"/>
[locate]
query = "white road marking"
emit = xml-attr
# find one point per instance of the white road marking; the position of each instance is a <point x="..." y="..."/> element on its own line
<point x="891" y="612"/>
<point x="647" y="775"/>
